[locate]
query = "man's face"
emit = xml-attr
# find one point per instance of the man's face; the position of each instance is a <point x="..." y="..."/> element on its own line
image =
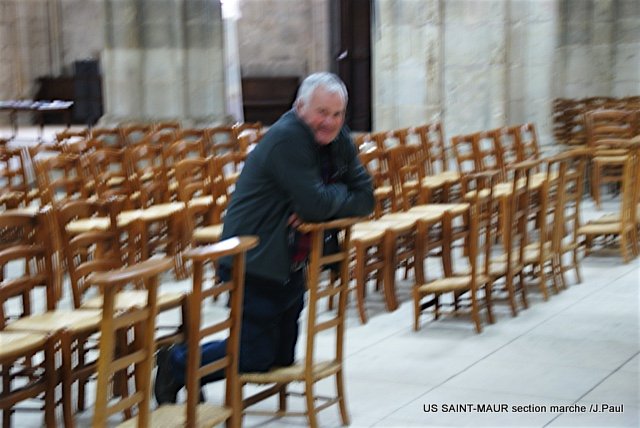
<point x="324" y="114"/>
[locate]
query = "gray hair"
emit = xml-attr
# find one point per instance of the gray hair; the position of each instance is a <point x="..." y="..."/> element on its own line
<point x="328" y="81"/>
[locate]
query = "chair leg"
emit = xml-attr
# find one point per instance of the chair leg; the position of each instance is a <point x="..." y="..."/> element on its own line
<point x="511" y="295"/>
<point x="282" y="399"/>
<point x="342" y="401"/>
<point x="50" y="384"/>
<point x="487" y="298"/>
<point x="361" y="254"/>
<point x="311" y="405"/>
<point x="67" y="380"/>
<point x="475" y="313"/>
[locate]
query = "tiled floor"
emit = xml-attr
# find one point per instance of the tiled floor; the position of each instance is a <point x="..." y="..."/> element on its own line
<point x="578" y="351"/>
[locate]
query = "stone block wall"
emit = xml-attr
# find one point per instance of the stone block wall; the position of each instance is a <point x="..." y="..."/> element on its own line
<point x="283" y="37"/>
<point x="164" y="59"/>
<point x="483" y="64"/>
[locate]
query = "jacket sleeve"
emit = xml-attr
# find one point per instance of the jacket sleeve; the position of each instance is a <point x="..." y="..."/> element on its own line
<point x="297" y="172"/>
<point x="360" y="199"/>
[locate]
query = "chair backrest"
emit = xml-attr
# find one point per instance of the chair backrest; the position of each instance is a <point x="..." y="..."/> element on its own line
<point x="147" y="172"/>
<point x="433" y="142"/>
<point x="220" y="139"/>
<point x="607" y="124"/>
<point x="111" y="173"/>
<point x="109" y="137"/>
<point x="13" y="178"/>
<point x="28" y="246"/>
<point x="197" y="331"/>
<point x="508" y="143"/>
<point x="61" y="179"/>
<point x="489" y="152"/>
<point x="92" y="250"/>
<point x="528" y="147"/>
<point x="194" y="178"/>
<point x="319" y="261"/>
<point x="167" y="125"/>
<point x="465" y="150"/>
<point x="72" y="135"/>
<point x="133" y="134"/>
<point x="404" y="163"/>
<point x="139" y="353"/>
<point x="519" y="211"/>
<point x="372" y="159"/>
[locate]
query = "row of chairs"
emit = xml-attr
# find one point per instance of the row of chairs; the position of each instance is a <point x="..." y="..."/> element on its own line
<point x="604" y="126"/>
<point x="398" y="161"/>
<point x="123" y="321"/>
<point x="159" y="148"/>
<point x="221" y="137"/>
<point x="48" y="349"/>
<point x="569" y="115"/>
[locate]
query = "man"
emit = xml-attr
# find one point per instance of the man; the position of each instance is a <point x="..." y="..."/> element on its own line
<point x="305" y="168"/>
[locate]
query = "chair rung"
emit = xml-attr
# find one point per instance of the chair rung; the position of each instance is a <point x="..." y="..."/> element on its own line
<point x="130" y="318"/>
<point x="327" y="325"/>
<point x="213" y="367"/>
<point x="217" y="289"/>
<point x="332" y="258"/>
<point x="125" y="403"/>
<point x="215" y="328"/>
<point x="124" y="362"/>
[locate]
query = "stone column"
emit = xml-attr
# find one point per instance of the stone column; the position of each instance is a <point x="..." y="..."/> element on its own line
<point x="407" y="63"/>
<point x="164" y="59"/>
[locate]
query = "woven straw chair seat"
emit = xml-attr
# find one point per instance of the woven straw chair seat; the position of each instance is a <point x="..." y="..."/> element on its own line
<point x="291" y="373"/>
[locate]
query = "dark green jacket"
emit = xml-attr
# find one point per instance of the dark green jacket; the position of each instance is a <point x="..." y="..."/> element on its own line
<point x="281" y="176"/>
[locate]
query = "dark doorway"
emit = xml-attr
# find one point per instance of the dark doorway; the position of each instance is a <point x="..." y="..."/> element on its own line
<point x="351" y="57"/>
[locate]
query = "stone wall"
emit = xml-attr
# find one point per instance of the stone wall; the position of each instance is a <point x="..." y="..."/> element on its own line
<point x="283" y="37"/>
<point x="164" y="59"/>
<point x="482" y="64"/>
<point x="599" y="48"/>
<point x="474" y="64"/>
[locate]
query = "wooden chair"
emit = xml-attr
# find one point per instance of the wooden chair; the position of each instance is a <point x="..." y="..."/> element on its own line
<point x="175" y="152"/>
<point x="507" y="138"/>
<point x="60" y="179"/>
<point x="111" y="175"/>
<point x="134" y="133"/>
<point x="16" y="347"/>
<point x="147" y="173"/>
<point x="465" y="150"/>
<point x="375" y="163"/>
<point x="541" y="252"/>
<point x="438" y="166"/>
<point x="14" y="189"/>
<point x="69" y="135"/>
<point x="367" y="261"/>
<point x="195" y="189"/>
<point x="139" y="352"/>
<point x="109" y="138"/>
<point x="489" y="151"/>
<point x="405" y="175"/>
<point x="601" y="126"/>
<point x="69" y="329"/>
<point x="625" y="229"/>
<point x="572" y="190"/>
<point x="191" y="413"/>
<point x="311" y="370"/>
<point x="220" y="139"/>
<point x="472" y="283"/>
<point x="166" y="125"/>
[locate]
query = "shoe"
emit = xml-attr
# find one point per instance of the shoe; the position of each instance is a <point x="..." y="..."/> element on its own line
<point x="166" y="387"/>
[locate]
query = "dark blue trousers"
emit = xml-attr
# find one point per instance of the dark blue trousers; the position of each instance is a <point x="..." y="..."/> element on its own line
<point x="269" y="328"/>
